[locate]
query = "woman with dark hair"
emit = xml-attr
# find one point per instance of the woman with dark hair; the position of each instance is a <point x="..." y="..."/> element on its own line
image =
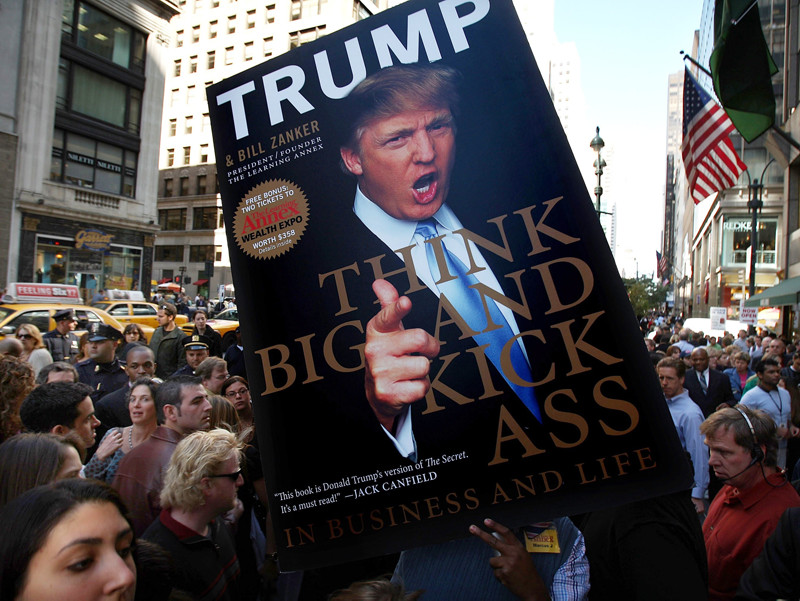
<point x="71" y="540"/>
<point x="16" y="382"/>
<point x="201" y="327"/>
<point x="30" y="460"/>
<point x="237" y="391"/>
<point x="141" y="401"/>
<point x="131" y="335"/>
<point x="82" y="352"/>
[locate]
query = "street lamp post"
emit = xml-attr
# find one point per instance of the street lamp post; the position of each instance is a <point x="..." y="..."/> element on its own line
<point x="597" y="144"/>
<point x="755" y="191"/>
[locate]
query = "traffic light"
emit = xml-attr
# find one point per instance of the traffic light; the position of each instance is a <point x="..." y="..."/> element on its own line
<point x="177" y="279"/>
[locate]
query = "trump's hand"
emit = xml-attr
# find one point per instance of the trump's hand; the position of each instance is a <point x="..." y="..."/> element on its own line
<point x="397" y="359"/>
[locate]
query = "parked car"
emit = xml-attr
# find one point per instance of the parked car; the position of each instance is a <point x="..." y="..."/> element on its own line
<point x="224" y="324"/>
<point x="140" y="312"/>
<point x="37" y="303"/>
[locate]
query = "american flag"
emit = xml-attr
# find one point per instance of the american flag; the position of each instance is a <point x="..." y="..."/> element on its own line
<point x="710" y="161"/>
<point x="662" y="264"/>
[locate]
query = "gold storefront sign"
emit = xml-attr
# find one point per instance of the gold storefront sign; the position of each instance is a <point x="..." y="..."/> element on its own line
<point x="93" y="240"/>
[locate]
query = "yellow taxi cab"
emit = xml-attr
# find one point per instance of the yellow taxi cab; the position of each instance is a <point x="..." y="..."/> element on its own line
<point x="224" y="323"/>
<point x="37" y="303"/>
<point x="130" y="306"/>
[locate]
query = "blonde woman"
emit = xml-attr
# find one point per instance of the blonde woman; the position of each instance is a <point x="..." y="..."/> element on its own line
<point x="33" y="350"/>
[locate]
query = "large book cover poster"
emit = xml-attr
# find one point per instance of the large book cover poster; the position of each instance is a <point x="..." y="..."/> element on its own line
<point x="434" y="325"/>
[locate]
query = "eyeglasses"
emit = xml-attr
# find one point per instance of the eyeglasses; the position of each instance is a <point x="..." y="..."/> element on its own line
<point x="233" y="476"/>
<point x="232" y="394"/>
<point x="24" y="336"/>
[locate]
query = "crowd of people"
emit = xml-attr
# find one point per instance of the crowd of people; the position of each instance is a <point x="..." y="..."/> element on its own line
<point x="136" y="473"/>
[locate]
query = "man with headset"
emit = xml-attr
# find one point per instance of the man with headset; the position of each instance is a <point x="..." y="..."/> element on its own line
<point x="743" y="447"/>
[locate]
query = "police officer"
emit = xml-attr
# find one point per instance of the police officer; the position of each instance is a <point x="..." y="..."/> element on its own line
<point x="61" y="342"/>
<point x="102" y="370"/>
<point x="196" y="348"/>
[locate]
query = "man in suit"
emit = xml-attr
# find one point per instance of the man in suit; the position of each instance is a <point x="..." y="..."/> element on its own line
<point x="708" y="388"/>
<point x="401" y="149"/>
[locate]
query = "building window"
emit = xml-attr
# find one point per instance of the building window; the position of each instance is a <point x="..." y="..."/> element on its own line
<point x="100" y="97"/>
<point x="298" y="38"/>
<point x="187" y="155"/>
<point x="736" y="241"/>
<point x="248" y="51"/>
<point x="212" y="29"/>
<point x="251" y="19"/>
<point x="170" y="157"/>
<point x="202" y="186"/>
<point x="177" y="67"/>
<point x="188" y="123"/>
<point x="195" y="34"/>
<point x="169" y="185"/>
<point x="173" y="97"/>
<point x="172" y="253"/>
<point x="179" y="38"/>
<point x="204" y="153"/>
<point x="99" y="33"/>
<point x="89" y="163"/>
<point x="184" y="181"/>
<point x="200" y="253"/>
<point x="232" y="24"/>
<point x="173" y="127"/>
<point x="193" y="64"/>
<point x="229" y="55"/>
<point x="206" y="123"/>
<point x="190" y="94"/>
<point x="305" y="8"/>
<point x="212" y="57"/>
<point x="756" y="160"/>
<point x="360" y="11"/>
<point x="172" y="220"/>
<point x="205" y="218"/>
<point x="270" y="13"/>
<point x="268" y="46"/>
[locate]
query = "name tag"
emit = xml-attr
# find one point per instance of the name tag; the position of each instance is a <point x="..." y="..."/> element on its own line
<point x="541" y="538"/>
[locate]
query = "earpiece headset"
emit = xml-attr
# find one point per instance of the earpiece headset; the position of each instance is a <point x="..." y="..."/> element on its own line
<point x="756" y="452"/>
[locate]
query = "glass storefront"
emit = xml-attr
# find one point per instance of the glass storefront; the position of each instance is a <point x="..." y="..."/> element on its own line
<point x="736" y="241"/>
<point x="65" y="261"/>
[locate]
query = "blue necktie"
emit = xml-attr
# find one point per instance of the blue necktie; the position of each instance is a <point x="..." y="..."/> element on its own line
<point x="470" y="306"/>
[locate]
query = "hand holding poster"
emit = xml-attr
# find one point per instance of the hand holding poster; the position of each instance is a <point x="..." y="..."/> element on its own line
<point x="436" y="330"/>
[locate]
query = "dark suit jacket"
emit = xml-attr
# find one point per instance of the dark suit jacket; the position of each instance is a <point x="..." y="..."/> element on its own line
<point x="719" y="390"/>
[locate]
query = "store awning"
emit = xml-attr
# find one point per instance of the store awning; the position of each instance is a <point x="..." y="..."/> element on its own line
<point x="200" y="283"/>
<point x="164" y="280"/>
<point x="783" y="293"/>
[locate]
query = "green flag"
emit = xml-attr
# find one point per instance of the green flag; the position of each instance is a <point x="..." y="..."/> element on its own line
<point x="742" y="67"/>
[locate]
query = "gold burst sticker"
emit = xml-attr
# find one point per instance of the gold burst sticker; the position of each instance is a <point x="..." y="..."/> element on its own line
<point x="270" y="219"/>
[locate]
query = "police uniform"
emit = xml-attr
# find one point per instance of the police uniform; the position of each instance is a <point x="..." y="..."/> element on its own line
<point x="102" y="377"/>
<point x="62" y="347"/>
<point x="195" y="342"/>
